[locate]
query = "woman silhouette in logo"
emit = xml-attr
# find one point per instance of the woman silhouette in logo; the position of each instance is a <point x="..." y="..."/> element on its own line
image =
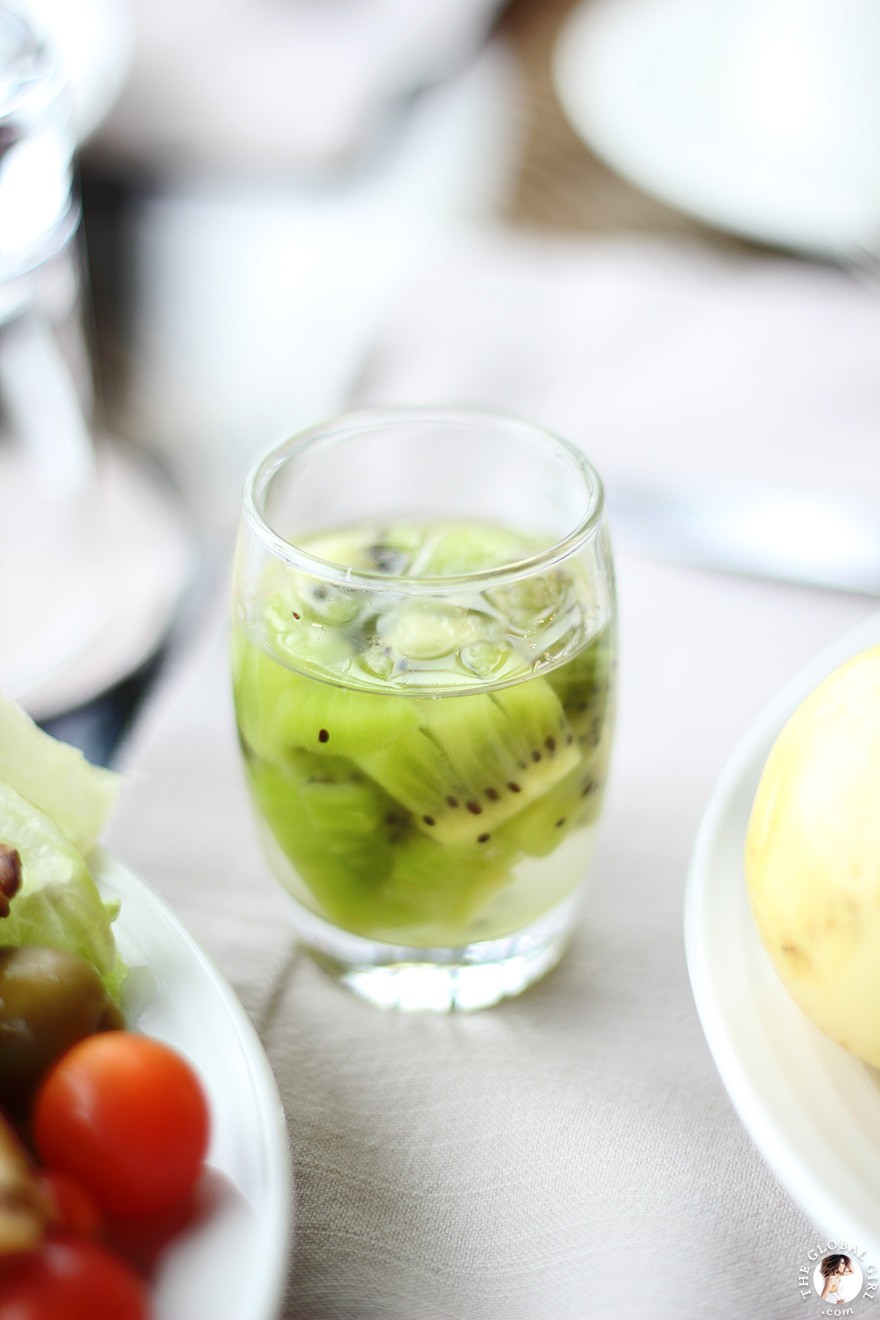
<point x="834" y="1268"/>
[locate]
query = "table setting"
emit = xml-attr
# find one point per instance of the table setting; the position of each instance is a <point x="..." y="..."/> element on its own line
<point x="646" y="1121"/>
<point x="591" y="1103"/>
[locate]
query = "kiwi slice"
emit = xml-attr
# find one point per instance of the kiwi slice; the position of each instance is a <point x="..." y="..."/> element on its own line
<point x="573" y="802"/>
<point x="476" y="760"/>
<point x="434" y="889"/>
<point x="360" y="855"/>
<point x="585" y="688"/>
<point x="376" y="549"/>
<point x="337" y="828"/>
<point x="411" y="549"/>
<point x="459" y="765"/>
<point x="450" y="549"/>
<point x="402" y="810"/>
<point x="279" y="710"/>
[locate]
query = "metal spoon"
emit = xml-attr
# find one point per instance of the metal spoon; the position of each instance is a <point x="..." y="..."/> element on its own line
<point x="813" y="539"/>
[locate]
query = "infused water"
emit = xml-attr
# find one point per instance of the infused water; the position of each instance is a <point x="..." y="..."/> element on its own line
<point x="428" y="769"/>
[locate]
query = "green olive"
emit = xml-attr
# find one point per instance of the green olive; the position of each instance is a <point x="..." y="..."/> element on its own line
<point x="49" y="999"/>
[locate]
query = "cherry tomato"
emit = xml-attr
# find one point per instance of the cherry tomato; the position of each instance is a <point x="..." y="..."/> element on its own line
<point x="75" y="1207"/>
<point x="69" y="1278"/>
<point x="142" y="1242"/>
<point x="127" y="1116"/>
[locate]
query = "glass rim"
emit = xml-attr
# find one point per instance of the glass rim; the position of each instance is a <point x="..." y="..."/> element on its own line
<point x="33" y="75"/>
<point x="346" y="424"/>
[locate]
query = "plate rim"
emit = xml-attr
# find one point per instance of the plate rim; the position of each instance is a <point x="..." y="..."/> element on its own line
<point x="116" y="879"/>
<point x="780" y="1146"/>
<point x="590" y="55"/>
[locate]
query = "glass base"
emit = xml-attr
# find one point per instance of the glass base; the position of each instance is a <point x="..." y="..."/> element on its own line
<point x="437" y="980"/>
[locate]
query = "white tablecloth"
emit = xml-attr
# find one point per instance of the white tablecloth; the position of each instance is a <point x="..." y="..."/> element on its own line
<point x="571" y="1153"/>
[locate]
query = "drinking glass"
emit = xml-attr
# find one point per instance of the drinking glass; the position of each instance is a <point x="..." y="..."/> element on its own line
<point x="423" y="654"/>
<point x="47" y="459"/>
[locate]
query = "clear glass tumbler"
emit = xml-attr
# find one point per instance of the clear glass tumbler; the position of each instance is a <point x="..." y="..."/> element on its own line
<point x="424" y="659"/>
<point x="47" y="457"/>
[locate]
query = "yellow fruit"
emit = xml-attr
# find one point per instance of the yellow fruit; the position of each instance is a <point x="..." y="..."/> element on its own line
<point x="812" y="856"/>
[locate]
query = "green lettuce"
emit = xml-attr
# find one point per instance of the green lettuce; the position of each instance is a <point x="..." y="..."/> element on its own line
<point x="53" y="804"/>
<point x="56" y="777"/>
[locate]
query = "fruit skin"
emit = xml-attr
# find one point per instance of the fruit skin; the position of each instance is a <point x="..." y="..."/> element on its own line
<point x="812" y="857"/>
<point x="71" y="1278"/>
<point x="49" y="999"/>
<point x="127" y="1116"/>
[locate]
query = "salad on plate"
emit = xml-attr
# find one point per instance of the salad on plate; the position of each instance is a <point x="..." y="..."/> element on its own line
<point x="104" y="1130"/>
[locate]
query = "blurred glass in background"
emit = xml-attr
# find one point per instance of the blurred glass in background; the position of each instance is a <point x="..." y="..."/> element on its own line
<point x="46" y="456"/>
<point x="91" y="553"/>
<point x="275" y="169"/>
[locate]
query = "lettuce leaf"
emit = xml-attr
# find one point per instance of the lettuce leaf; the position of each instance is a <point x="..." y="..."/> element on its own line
<point x="55" y="777"/>
<point x="58" y="903"/>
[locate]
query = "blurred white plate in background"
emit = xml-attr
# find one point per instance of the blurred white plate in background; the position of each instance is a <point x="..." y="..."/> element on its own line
<point x="744" y="116"/>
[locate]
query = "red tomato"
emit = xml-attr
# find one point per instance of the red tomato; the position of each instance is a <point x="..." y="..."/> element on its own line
<point x="75" y="1206"/>
<point x="127" y="1116"/>
<point x="142" y="1242"/>
<point x="70" y="1278"/>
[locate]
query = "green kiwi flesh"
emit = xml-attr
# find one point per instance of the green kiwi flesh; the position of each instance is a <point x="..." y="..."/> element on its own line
<point x="361" y="856"/>
<point x="402" y="811"/>
<point x="461" y="765"/>
<point x="332" y="825"/>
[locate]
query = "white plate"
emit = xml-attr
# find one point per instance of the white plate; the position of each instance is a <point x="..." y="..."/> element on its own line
<point x="812" y="1109"/>
<point x="677" y="98"/>
<point x="231" y="1265"/>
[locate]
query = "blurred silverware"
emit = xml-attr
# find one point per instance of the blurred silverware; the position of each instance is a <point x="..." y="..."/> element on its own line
<point x="810" y="538"/>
